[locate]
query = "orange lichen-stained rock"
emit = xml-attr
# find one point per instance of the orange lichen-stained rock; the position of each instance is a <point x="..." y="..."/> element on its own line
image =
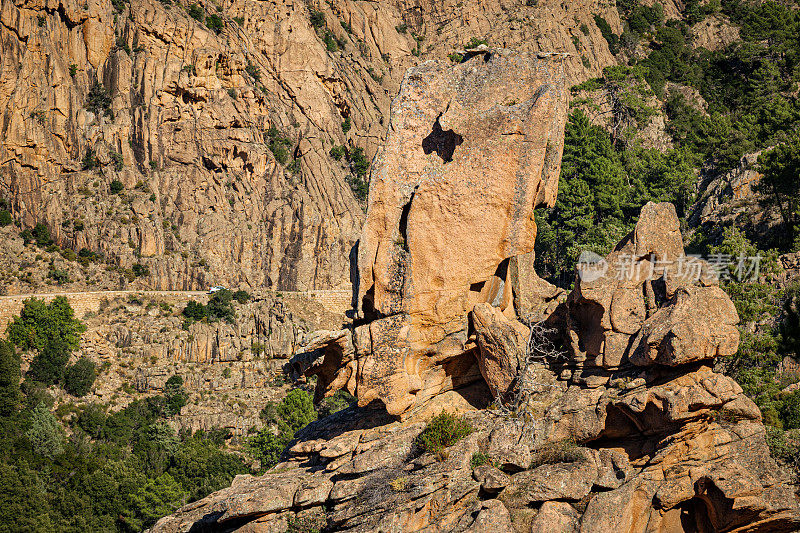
<point x="471" y="150"/>
<point x="626" y="428"/>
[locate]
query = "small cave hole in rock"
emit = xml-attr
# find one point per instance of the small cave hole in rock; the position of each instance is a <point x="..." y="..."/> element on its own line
<point x="442" y="142"/>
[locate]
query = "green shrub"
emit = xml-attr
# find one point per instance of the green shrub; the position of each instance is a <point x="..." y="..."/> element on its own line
<point x="117" y="159"/>
<point x="359" y="163"/>
<point x="115" y="187"/>
<point x="337" y="152"/>
<point x="5" y="217"/>
<point x="98" y="101"/>
<point x="341" y="399"/>
<point x="479" y="459"/>
<point x="790" y="412"/>
<point x="442" y="431"/>
<point x="69" y="254"/>
<point x="220" y="307"/>
<point x="73" y="70"/>
<point x="317" y="19"/>
<point x="140" y="270"/>
<point x="214" y="23"/>
<point x="294" y="166"/>
<point x="79" y="378"/>
<point x="174" y="395"/>
<point x="195" y="310"/>
<point x="346" y="124"/>
<point x="122" y="44"/>
<point x="475" y="42"/>
<point x="277" y="143"/>
<point x="196" y="12"/>
<point x="358" y="186"/>
<point x="41" y="234"/>
<point x="156" y="498"/>
<point x="280" y="154"/>
<point x="257" y="348"/>
<point x="241" y="296"/>
<point x="284" y="419"/>
<point x="780" y="189"/>
<point x="784" y="449"/>
<point x="58" y="275"/>
<point x="313" y="523"/>
<point x="253" y="71"/>
<point x="89" y="161"/>
<point x="563" y="451"/>
<point x="9" y="379"/>
<point x="49" y="364"/>
<point x="330" y="41"/>
<point x="608" y="34"/>
<point x="45" y="434"/>
<point x="86" y="255"/>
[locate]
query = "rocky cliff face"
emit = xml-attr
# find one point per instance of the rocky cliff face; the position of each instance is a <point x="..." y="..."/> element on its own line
<point x="221" y="133"/>
<point x="606" y="414"/>
<point x="627" y="428"/>
<point x="230" y="370"/>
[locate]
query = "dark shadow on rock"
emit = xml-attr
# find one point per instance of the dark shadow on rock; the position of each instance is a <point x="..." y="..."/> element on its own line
<point x="442" y="142"/>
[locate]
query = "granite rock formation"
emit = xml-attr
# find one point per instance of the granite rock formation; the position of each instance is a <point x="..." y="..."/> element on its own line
<point x="638" y="436"/>
<point x="472" y="149"/>
<point x="187" y="118"/>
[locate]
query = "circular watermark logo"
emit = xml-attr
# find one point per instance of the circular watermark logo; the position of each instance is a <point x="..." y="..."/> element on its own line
<point x="591" y="266"/>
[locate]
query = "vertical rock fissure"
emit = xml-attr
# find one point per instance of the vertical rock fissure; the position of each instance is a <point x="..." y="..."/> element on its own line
<point x="403" y="229"/>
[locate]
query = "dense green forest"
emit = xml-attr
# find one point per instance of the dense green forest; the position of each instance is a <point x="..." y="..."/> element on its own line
<point x="750" y="89"/>
<point x="71" y="468"/>
<point x="77" y="467"/>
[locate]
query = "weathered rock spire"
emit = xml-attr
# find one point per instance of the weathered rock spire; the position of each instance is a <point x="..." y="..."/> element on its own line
<point x="472" y="149"/>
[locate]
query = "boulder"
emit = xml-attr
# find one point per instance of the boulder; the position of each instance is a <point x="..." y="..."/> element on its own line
<point x="556" y="516"/>
<point x="559" y="481"/>
<point x="502" y="344"/>
<point x="698" y="324"/>
<point x="491" y="479"/>
<point x="493" y="518"/>
<point x="647" y="294"/>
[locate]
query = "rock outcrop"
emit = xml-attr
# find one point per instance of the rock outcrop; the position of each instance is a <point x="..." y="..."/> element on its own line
<point x="633" y="434"/>
<point x="472" y="149"/>
<point x="734" y="199"/>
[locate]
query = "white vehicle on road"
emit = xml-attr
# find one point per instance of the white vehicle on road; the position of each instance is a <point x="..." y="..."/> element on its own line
<point x="215" y="288"/>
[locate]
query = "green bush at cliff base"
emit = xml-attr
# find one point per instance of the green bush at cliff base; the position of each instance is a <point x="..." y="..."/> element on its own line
<point x="444" y="430"/>
<point x="40" y="323"/>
